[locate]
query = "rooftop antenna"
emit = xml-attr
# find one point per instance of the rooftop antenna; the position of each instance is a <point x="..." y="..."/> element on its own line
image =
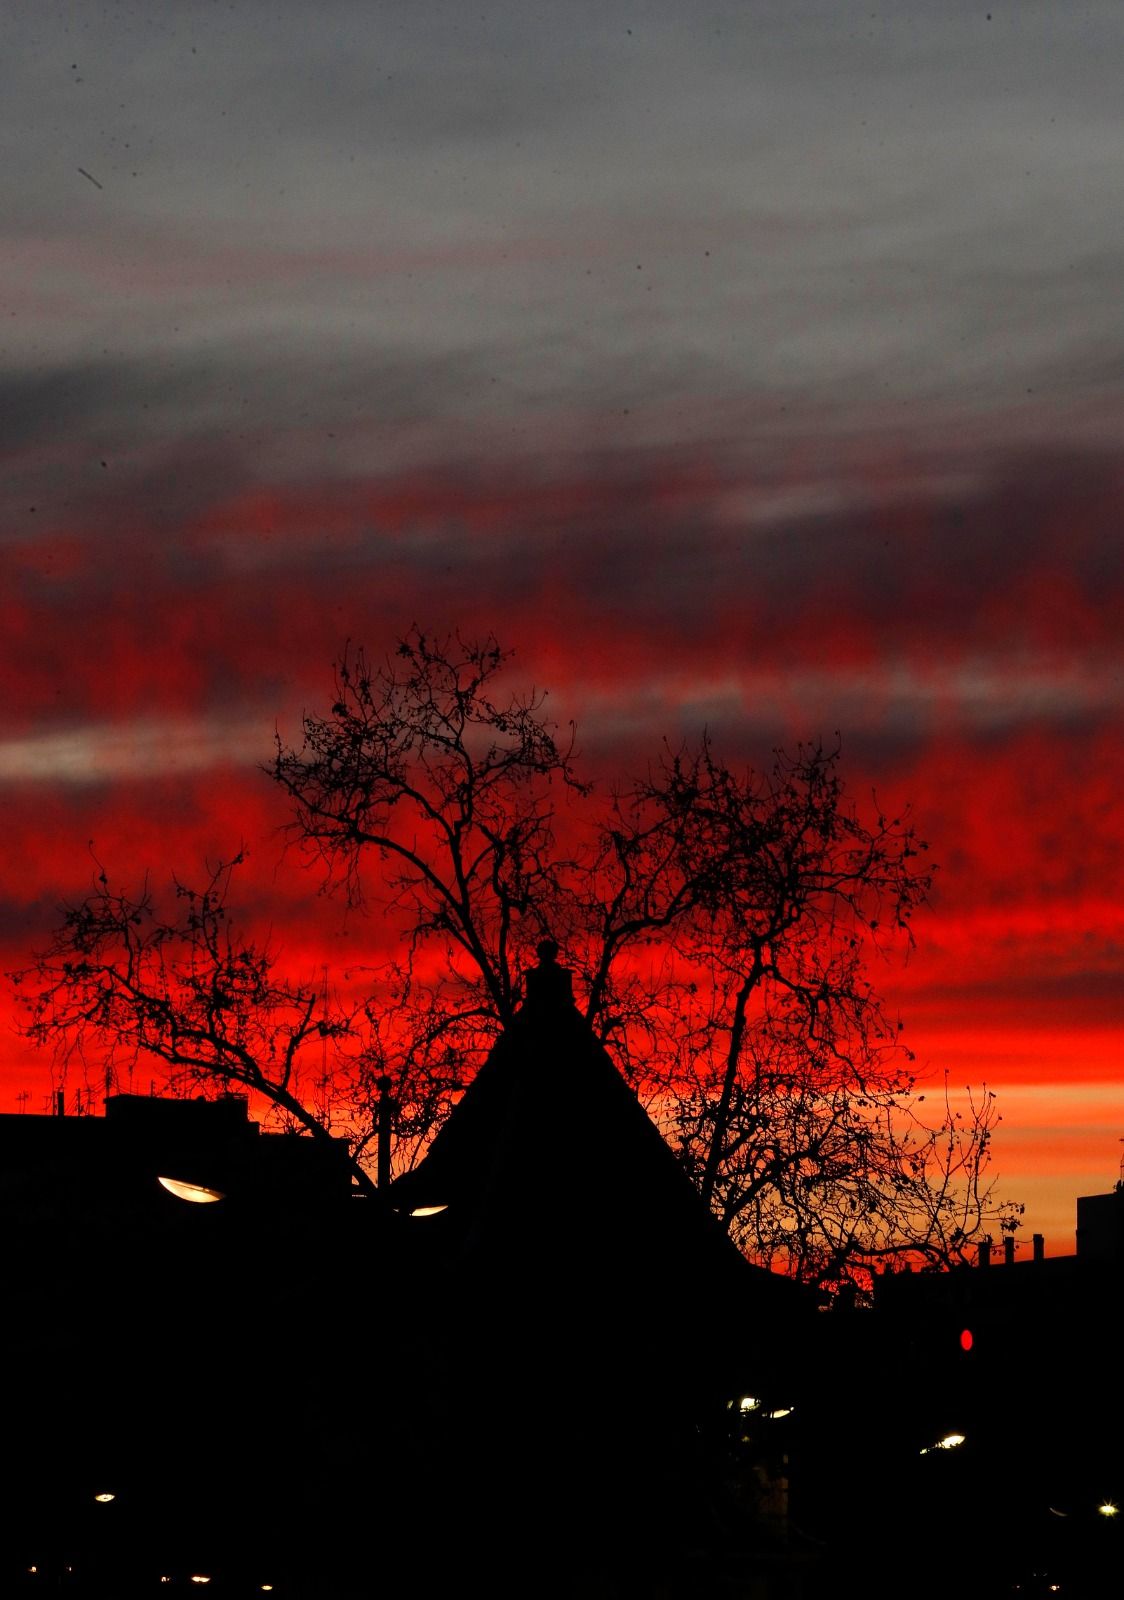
<point x="22" y="1098"/>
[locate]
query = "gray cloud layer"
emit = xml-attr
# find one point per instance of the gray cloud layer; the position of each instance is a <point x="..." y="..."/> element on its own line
<point x="585" y="209"/>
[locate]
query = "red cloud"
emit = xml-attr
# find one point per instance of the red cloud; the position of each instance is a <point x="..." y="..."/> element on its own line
<point x="966" y="643"/>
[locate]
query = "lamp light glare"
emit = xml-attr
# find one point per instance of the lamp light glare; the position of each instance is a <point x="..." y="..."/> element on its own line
<point x="1107" y="1509"/>
<point x="748" y="1402"/>
<point x="105" y="1498"/>
<point x="198" y="1194"/>
<point x="781" y="1411"/>
<point x="428" y="1211"/>
<point x="949" y="1442"/>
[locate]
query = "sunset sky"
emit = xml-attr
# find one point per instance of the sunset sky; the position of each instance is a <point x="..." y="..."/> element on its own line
<point x="752" y="365"/>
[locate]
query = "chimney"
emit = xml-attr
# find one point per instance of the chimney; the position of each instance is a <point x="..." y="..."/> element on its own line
<point x="985" y="1253"/>
<point x="1009" y="1250"/>
<point x="1039" y="1242"/>
<point x="60" y="1102"/>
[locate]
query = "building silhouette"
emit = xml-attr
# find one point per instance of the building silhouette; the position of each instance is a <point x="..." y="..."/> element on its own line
<point x="171" y="1352"/>
<point x="494" y="1374"/>
<point x="1021" y="1360"/>
<point x="533" y="1365"/>
<point x="606" y="1326"/>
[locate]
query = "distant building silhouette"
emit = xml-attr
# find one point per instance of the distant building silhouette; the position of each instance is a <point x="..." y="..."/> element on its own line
<point x="1021" y="1359"/>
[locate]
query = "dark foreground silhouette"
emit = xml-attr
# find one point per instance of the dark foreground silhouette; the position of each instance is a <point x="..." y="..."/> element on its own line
<point x="534" y="1367"/>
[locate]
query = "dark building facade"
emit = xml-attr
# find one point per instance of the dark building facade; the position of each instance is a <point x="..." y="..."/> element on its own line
<point x="1020" y="1362"/>
<point x="519" y="1371"/>
<point x="162" y="1353"/>
<point x="607" y="1331"/>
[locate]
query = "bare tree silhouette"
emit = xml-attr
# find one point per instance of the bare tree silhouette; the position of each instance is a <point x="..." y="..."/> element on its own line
<point x="720" y="924"/>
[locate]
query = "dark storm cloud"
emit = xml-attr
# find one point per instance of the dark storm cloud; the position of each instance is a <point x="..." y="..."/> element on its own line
<point x="650" y="535"/>
<point x="41" y="404"/>
<point x="673" y="593"/>
<point x="238" y="388"/>
<point x="142" y="446"/>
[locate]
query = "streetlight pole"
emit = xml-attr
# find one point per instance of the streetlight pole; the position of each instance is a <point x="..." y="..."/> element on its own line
<point x="386" y="1111"/>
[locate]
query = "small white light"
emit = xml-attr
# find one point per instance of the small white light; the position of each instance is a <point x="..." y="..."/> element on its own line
<point x="197" y="1577"/>
<point x="428" y="1211"/>
<point x="197" y="1193"/>
<point x="949" y="1442"/>
<point x="1107" y="1509"/>
<point x="104" y="1499"/>
<point x="748" y="1402"/>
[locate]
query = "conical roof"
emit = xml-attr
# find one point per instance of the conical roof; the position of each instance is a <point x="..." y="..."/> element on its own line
<point x="584" y="1318"/>
<point x="551" y="1168"/>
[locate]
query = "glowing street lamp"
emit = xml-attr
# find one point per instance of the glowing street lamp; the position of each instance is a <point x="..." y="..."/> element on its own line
<point x="197" y="1193"/>
<point x="1107" y="1509"/>
<point x="949" y="1442"/>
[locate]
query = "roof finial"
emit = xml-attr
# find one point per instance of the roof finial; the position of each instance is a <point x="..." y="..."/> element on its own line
<point x="548" y="987"/>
